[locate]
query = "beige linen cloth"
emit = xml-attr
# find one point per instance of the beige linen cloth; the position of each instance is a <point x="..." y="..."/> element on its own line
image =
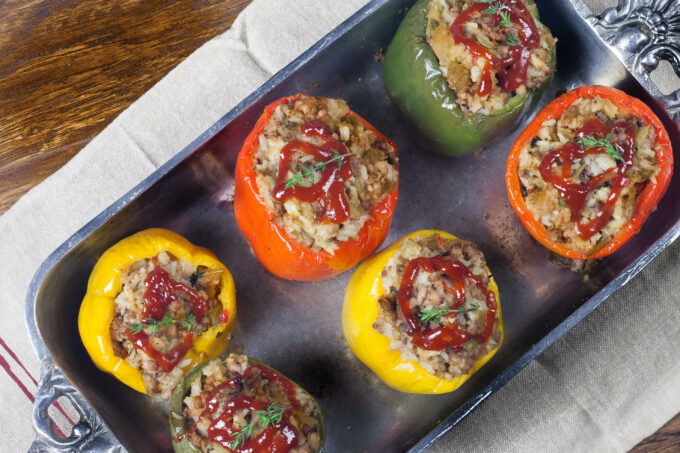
<point x="611" y="381"/>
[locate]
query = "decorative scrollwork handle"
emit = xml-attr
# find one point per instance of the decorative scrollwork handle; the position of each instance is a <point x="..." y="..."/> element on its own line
<point x="88" y="434"/>
<point x="643" y="32"/>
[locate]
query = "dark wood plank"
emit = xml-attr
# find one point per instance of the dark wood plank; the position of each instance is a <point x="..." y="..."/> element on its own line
<point x="68" y="67"/>
<point x="665" y="440"/>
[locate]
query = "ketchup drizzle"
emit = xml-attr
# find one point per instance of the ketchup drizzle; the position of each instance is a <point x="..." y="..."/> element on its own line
<point x="280" y="437"/>
<point x="160" y="292"/>
<point x="168" y="361"/>
<point x="273" y="376"/>
<point x="575" y="194"/>
<point x="511" y="69"/>
<point x="329" y="191"/>
<point x="451" y="334"/>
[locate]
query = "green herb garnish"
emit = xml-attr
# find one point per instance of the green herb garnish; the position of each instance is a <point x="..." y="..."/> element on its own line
<point x="136" y="327"/>
<point x="152" y="325"/>
<point x="241" y="436"/>
<point x="436" y="314"/>
<point x="272" y="416"/>
<point x="512" y="40"/>
<point x="189" y="322"/>
<point x="148" y="323"/>
<point x="493" y="9"/>
<point x="588" y="142"/>
<point x="505" y="18"/>
<point x="307" y="173"/>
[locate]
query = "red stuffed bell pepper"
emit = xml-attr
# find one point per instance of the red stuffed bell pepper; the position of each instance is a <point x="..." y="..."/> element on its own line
<point x="316" y="187"/>
<point x="588" y="170"/>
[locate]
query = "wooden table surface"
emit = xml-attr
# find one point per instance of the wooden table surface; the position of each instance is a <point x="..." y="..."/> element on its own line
<point x="69" y="67"/>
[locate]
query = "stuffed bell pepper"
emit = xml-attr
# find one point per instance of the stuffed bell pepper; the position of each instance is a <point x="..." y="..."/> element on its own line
<point x="587" y="172"/>
<point x="155" y="306"/>
<point x="316" y="187"/>
<point x="424" y="314"/>
<point x="462" y="70"/>
<point x="236" y="404"/>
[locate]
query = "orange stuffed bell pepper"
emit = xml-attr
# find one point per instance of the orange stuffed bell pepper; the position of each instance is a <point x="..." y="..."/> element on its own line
<point x="424" y="314"/>
<point x="316" y="187"/>
<point x="156" y="305"/>
<point x="588" y="170"/>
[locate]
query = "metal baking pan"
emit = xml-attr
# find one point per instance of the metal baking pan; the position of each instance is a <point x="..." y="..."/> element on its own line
<point x="296" y="327"/>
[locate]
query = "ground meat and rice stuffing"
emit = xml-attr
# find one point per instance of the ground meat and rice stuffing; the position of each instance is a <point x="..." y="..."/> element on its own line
<point x="164" y="304"/>
<point x="234" y="406"/>
<point x="582" y="173"/>
<point x="437" y="309"/>
<point x="320" y="171"/>
<point x="489" y="51"/>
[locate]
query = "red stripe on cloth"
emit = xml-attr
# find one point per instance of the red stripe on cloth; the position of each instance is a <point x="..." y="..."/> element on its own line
<point x="8" y="370"/>
<point x="29" y="395"/>
<point x="16" y="359"/>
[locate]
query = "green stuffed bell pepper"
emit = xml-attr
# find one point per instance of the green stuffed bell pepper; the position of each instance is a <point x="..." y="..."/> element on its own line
<point x="237" y="404"/>
<point x="461" y="71"/>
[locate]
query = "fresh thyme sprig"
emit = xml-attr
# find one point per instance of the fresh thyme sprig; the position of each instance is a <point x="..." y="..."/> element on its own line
<point x="271" y="416"/>
<point x="307" y="173"/>
<point x="136" y="327"/>
<point x="493" y="9"/>
<point x="149" y="323"/>
<point x="241" y="436"/>
<point x="494" y="6"/>
<point x="436" y="314"/>
<point x="189" y="323"/>
<point x="499" y="7"/>
<point x="588" y="141"/>
<point x="512" y="40"/>
<point x="505" y="19"/>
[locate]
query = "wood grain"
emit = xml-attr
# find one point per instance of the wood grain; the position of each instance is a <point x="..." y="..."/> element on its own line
<point x="69" y="67"/>
<point x="665" y="440"/>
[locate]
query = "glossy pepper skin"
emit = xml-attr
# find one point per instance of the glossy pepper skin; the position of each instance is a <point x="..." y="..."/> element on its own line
<point x="360" y="311"/>
<point x="280" y="254"/>
<point x="413" y="79"/>
<point x="98" y="306"/>
<point x="177" y="419"/>
<point x="647" y="199"/>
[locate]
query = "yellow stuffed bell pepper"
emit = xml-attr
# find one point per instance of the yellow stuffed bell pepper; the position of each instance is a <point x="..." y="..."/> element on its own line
<point x="440" y="318"/>
<point x="132" y="281"/>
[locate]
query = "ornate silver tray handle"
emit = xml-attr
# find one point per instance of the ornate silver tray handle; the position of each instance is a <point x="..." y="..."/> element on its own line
<point x="88" y="433"/>
<point x="640" y="32"/>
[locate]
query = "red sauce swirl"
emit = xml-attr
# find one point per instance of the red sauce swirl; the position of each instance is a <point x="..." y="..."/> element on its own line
<point x="273" y="376"/>
<point x="449" y="334"/>
<point x="168" y="361"/>
<point x="511" y="69"/>
<point x="575" y="194"/>
<point x="329" y="190"/>
<point x="279" y="438"/>
<point x="160" y="292"/>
